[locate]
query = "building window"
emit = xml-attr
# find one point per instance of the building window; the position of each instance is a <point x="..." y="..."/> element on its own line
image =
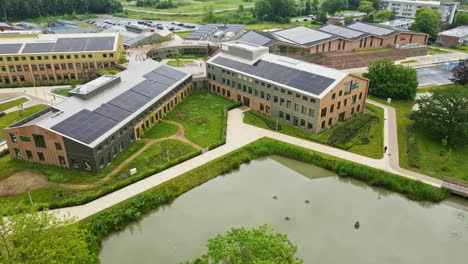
<point x="333" y="96"/>
<point x="281" y="114"/>
<point x="39" y="141"/>
<point x="360" y="96"/>
<point x="101" y="162"/>
<point x="324" y="112"/>
<point x="331" y="108"/>
<point x="29" y="155"/>
<point x="86" y="165"/>
<point x="348" y="87"/>
<point x="352" y="111"/>
<point x="330" y="121"/>
<point x="309" y="125"/>
<point x="358" y="108"/>
<point x="323" y="124"/>
<point x="303" y="123"/>
<point x="121" y="147"/>
<point x="25" y="138"/>
<point x="58" y="146"/>
<point x="354" y="99"/>
<point x="13" y="137"/>
<point x="18" y="153"/>
<point x="311" y="112"/>
<point x="41" y="156"/>
<point x="61" y="160"/>
<point x="288" y="117"/>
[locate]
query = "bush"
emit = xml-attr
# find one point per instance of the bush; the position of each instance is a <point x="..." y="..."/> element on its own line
<point x="413" y="152"/>
<point x="2" y="114"/>
<point x="4" y="152"/>
<point x="347" y="131"/>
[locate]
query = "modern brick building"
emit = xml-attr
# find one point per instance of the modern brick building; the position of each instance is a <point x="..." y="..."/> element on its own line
<point x="306" y="43"/>
<point x="57" y="58"/>
<point x="453" y="37"/>
<point x="101" y="119"/>
<point x="305" y="95"/>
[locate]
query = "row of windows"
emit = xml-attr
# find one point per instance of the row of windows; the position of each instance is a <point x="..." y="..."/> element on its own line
<point x="39" y="140"/>
<point x="323" y="112"/>
<point x="56" y="66"/>
<point x="296" y="121"/>
<point x="340" y="117"/>
<point x="54" y="57"/>
<point x="40" y="156"/>
<point x="43" y="77"/>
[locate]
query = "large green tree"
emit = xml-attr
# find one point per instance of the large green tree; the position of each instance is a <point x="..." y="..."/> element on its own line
<point x="275" y="10"/>
<point x="258" y="245"/>
<point x="366" y="7"/>
<point x="390" y="80"/>
<point x="41" y="237"/>
<point x="460" y="72"/>
<point x="461" y="19"/>
<point x="333" y="6"/>
<point x="427" y="21"/>
<point x="444" y="114"/>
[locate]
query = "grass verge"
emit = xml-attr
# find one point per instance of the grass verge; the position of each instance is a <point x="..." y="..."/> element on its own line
<point x="62" y="92"/>
<point x="12" y="103"/>
<point x="118" y="216"/>
<point x="161" y="130"/>
<point x="435" y="51"/>
<point x="178" y="63"/>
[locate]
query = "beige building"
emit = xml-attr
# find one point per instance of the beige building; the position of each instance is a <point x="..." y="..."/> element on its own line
<point x="305" y="95"/>
<point x="56" y="58"/>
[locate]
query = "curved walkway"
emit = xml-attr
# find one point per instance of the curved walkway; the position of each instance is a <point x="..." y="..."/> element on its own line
<point x="240" y="134"/>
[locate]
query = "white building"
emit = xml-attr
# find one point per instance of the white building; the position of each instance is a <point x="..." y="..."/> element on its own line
<point x="400" y="23"/>
<point x="407" y="8"/>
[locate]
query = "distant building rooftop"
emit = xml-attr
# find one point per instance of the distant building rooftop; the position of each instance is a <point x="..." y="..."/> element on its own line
<point x="460" y="31"/>
<point x="398" y="23"/>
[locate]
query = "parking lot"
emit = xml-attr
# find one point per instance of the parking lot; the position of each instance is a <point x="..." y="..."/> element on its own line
<point x="109" y="22"/>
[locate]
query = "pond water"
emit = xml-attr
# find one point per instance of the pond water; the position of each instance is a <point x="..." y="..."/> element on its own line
<point x="393" y="229"/>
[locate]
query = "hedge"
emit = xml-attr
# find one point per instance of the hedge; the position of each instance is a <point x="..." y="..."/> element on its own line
<point x="115" y="218"/>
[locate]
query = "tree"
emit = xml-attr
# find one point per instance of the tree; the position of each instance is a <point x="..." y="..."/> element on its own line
<point x="258" y="245"/>
<point x="315" y="5"/>
<point x="348" y="20"/>
<point x="383" y="15"/>
<point x="308" y="7"/>
<point x="41" y="237"/>
<point x="445" y="114"/>
<point x="427" y="21"/>
<point x="366" y="7"/>
<point x="322" y="17"/>
<point x="461" y="19"/>
<point x="390" y="80"/>
<point x="241" y="9"/>
<point x="353" y="4"/>
<point x="275" y="10"/>
<point x="333" y="6"/>
<point x="208" y="15"/>
<point x="460" y="72"/>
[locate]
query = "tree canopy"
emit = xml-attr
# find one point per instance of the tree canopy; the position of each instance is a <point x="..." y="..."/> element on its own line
<point x="390" y="80"/>
<point x="17" y="10"/>
<point x="427" y="21"/>
<point x="41" y="237"/>
<point x="258" y="245"/>
<point x="460" y="72"/>
<point x="275" y="10"/>
<point x="366" y="7"/>
<point x="445" y="114"/>
<point x="461" y="18"/>
<point x="334" y="6"/>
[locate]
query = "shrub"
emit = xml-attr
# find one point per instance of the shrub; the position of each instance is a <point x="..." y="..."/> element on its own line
<point x="4" y="152"/>
<point x="2" y="114"/>
<point x="413" y="152"/>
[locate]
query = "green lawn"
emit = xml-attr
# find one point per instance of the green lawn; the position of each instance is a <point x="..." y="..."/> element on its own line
<point x="161" y="130"/>
<point x="179" y="63"/>
<point x="201" y="114"/>
<point x="460" y="49"/>
<point x="63" y="92"/>
<point x="183" y="34"/>
<point x="185" y="6"/>
<point x="427" y="89"/>
<point x="154" y="159"/>
<point x="10" y="104"/>
<point x="373" y="131"/>
<point x="108" y="71"/>
<point x="435" y="51"/>
<point x="12" y="117"/>
<point x="372" y="50"/>
<point x="435" y="160"/>
<point x="408" y="61"/>
<point x="147" y="16"/>
<point x="271" y="25"/>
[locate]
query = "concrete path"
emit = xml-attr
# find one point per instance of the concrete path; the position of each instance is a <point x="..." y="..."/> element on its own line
<point x="42" y="95"/>
<point x="240" y="134"/>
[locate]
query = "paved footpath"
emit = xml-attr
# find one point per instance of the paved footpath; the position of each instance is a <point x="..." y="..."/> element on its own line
<point x="240" y="134"/>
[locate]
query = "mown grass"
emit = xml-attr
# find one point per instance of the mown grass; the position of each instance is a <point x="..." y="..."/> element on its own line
<point x="62" y="92"/>
<point x="161" y="130"/>
<point x="183" y="34"/>
<point x="13" y="103"/>
<point x="372" y="50"/>
<point x="435" y="51"/>
<point x="186" y="6"/>
<point x="178" y="63"/>
<point x="151" y="161"/>
<point x="271" y="25"/>
<point x="108" y="71"/>
<point x="374" y="132"/>
<point x="408" y="61"/>
<point x="201" y="114"/>
<point x="16" y="116"/>
<point x="117" y="217"/>
<point x="428" y="89"/>
<point x="435" y="160"/>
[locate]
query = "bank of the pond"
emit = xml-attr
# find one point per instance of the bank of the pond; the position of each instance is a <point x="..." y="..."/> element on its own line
<point x="116" y="217"/>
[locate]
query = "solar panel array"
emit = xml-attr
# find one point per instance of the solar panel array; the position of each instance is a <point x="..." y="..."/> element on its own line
<point x="255" y="38"/>
<point x="205" y="31"/>
<point x="71" y="45"/>
<point x="342" y="31"/>
<point x="87" y="126"/>
<point x="379" y="31"/>
<point x="303" y="35"/>
<point x="305" y="81"/>
<point x="9" y="48"/>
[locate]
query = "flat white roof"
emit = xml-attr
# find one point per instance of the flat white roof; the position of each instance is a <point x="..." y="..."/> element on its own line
<point x="460" y="31"/>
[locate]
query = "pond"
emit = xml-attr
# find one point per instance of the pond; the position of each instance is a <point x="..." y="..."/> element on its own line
<point x="392" y="228"/>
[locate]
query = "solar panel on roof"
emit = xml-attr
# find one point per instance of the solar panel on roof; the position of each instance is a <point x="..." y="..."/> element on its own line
<point x="100" y="43"/>
<point x="302" y="35"/>
<point x="379" y="31"/>
<point x="292" y="77"/>
<point x="70" y="44"/>
<point x="38" y="47"/>
<point x="255" y="38"/>
<point x="130" y="101"/>
<point x="170" y="72"/>
<point x="113" y="112"/>
<point x="10" y="48"/>
<point x="342" y="31"/>
<point x="150" y="88"/>
<point x="85" y="126"/>
<point x="160" y="78"/>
